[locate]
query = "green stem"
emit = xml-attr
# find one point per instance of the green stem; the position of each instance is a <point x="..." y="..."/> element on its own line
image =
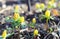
<point x="47" y="23"/>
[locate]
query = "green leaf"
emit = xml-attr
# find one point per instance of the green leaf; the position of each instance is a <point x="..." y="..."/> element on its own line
<point x="51" y="18"/>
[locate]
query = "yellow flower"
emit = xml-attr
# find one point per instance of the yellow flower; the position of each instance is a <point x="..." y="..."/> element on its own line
<point x="34" y="20"/>
<point x="37" y="5"/>
<point x="16" y="7"/>
<point x="16" y="10"/>
<point x="42" y="5"/>
<point x="47" y="13"/>
<point x="35" y="32"/>
<point x="16" y="16"/>
<point x="52" y="1"/>
<point x="4" y="33"/>
<point x="22" y="19"/>
<point x="49" y="5"/>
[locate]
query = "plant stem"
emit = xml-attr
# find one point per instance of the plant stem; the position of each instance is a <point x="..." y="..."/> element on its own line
<point x="47" y="23"/>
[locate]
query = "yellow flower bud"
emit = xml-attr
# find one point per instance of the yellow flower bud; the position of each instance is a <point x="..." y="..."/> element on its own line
<point x="37" y="5"/>
<point x="42" y="5"/>
<point x="34" y="20"/>
<point x="16" y="16"/>
<point x="35" y="32"/>
<point x="16" y="7"/>
<point x="4" y="33"/>
<point x="52" y="1"/>
<point x="47" y="13"/>
<point x="16" y="10"/>
<point x="49" y="5"/>
<point x="22" y="19"/>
